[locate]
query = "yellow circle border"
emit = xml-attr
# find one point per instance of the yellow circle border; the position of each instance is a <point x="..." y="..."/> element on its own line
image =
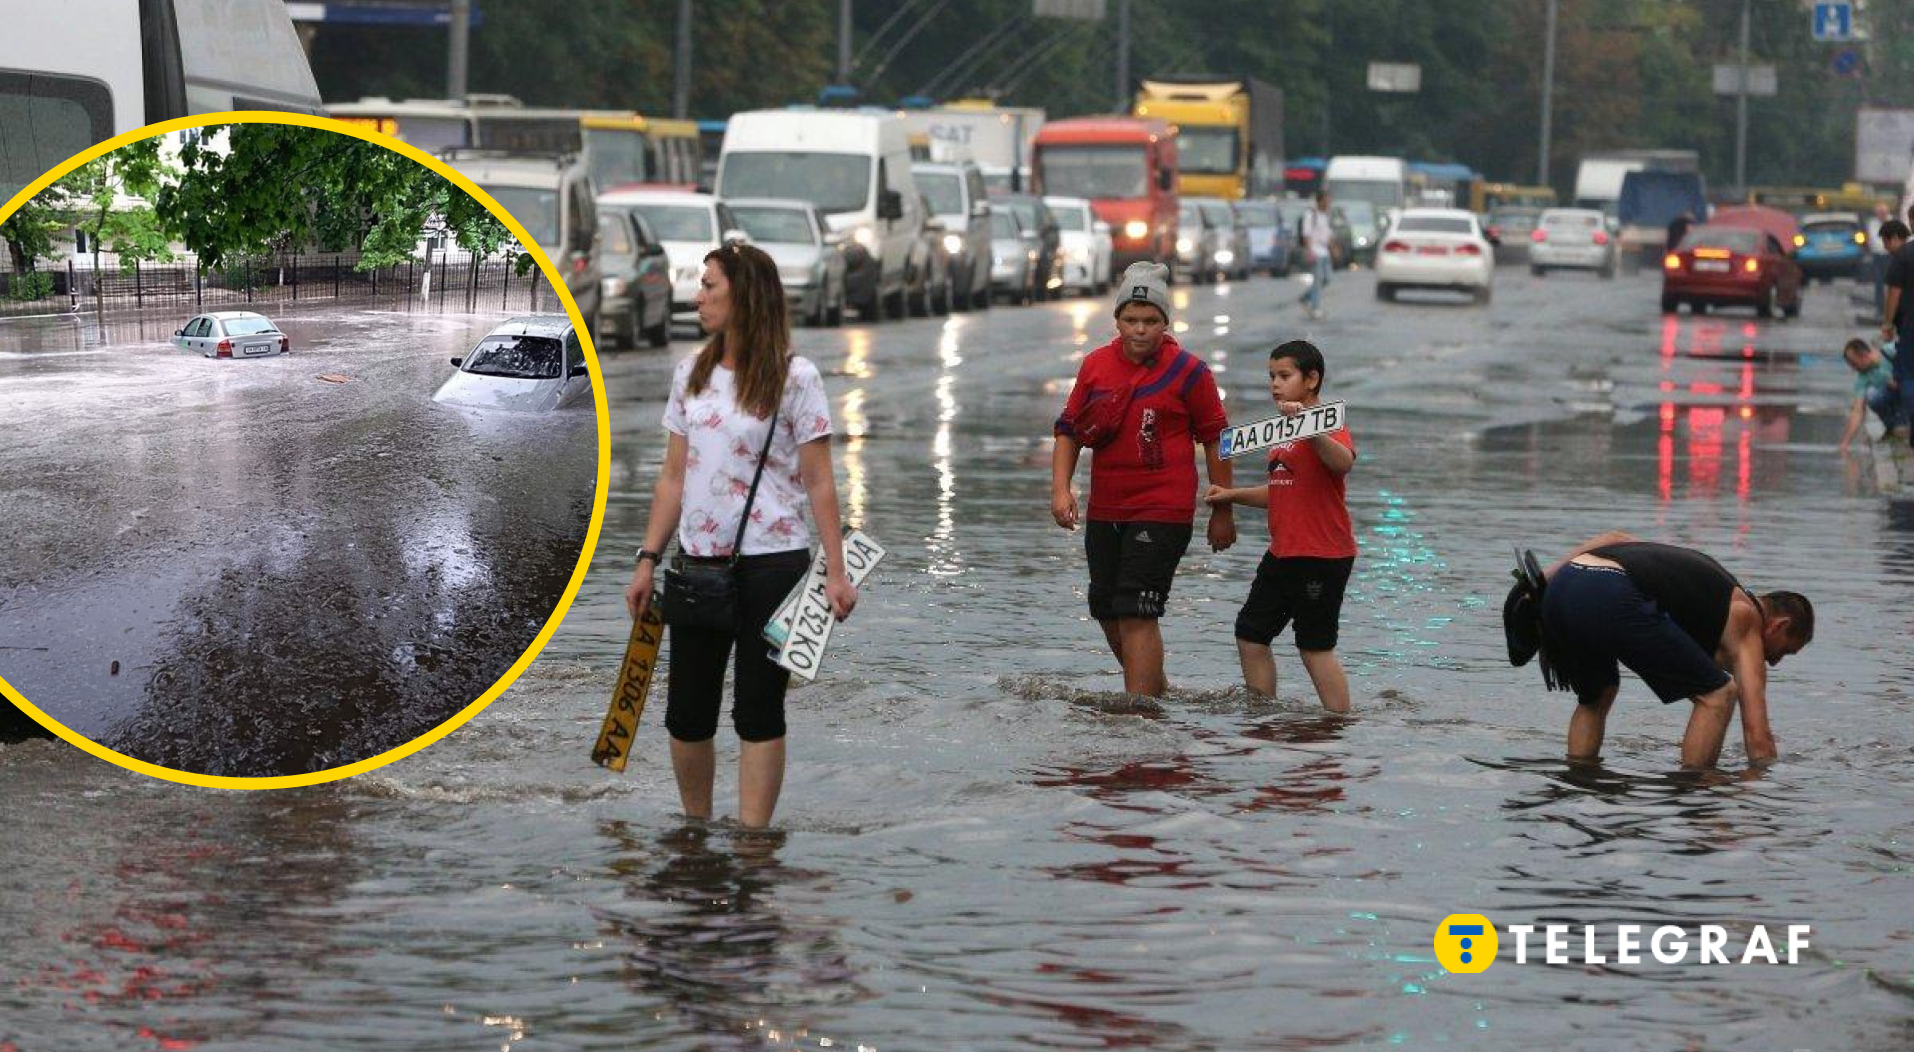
<point x="603" y="481"/>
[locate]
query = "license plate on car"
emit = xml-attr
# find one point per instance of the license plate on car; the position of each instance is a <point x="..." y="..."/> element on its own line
<point x="1711" y="266"/>
<point x="1244" y="439"/>
<point x="1432" y="250"/>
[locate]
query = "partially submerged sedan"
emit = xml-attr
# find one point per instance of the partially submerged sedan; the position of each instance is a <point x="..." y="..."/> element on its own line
<point x="231" y="334"/>
<point x="532" y="363"/>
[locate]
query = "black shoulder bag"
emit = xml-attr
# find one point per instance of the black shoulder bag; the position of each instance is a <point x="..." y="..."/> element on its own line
<point x="704" y="594"/>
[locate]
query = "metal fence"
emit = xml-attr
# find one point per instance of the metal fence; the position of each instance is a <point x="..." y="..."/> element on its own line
<point x="459" y="283"/>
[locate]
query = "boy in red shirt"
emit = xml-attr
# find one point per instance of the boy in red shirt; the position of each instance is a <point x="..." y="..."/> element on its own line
<point x="1311" y="544"/>
<point x="1143" y="475"/>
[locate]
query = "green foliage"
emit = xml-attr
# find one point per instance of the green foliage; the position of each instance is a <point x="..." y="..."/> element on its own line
<point x="109" y="199"/>
<point x="32" y="285"/>
<point x="258" y="188"/>
<point x="32" y="230"/>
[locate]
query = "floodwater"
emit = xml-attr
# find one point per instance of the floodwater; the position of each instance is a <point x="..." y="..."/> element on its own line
<point x="973" y="853"/>
<point x="247" y="568"/>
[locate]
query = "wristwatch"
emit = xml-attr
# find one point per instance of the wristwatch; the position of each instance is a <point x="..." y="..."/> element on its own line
<point x="646" y="553"/>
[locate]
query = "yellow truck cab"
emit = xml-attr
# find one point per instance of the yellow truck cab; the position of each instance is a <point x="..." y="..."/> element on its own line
<point x="1229" y="134"/>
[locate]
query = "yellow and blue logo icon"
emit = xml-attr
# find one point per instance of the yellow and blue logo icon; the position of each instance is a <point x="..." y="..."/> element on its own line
<point x="1465" y="943"/>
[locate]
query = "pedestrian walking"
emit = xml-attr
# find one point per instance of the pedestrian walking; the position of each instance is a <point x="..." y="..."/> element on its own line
<point x="748" y="449"/>
<point x="1142" y="404"/>
<point x="1878" y="253"/>
<point x="1316" y="235"/>
<point x="1897" y="313"/>
<point x="1682" y="623"/>
<point x="1678" y="230"/>
<point x="1312" y="546"/>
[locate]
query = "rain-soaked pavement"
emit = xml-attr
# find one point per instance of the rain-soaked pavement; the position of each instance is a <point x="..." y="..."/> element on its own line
<point x="972" y="855"/>
<point x="240" y="568"/>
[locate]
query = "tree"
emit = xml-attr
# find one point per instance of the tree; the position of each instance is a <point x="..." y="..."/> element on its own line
<point x="247" y="189"/>
<point x="32" y="229"/>
<point x="111" y="197"/>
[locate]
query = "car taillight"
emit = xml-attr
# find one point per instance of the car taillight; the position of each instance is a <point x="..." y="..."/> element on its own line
<point x="225" y="348"/>
<point x="1671" y="262"/>
<point x="1468" y="250"/>
<point x="1751" y="265"/>
<point x="1601" y="237"/>
<point x="1395" y="246"/>
<point x="285" y="345"/>
<point x="1539" y="235"/>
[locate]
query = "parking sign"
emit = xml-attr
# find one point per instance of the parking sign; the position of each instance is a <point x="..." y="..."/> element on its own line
<point x="1833" y="20"/>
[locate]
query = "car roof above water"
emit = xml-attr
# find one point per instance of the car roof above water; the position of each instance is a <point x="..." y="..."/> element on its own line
<point x="552" y="325"/>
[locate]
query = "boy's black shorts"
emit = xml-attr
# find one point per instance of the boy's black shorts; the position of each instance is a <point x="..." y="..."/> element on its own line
<point x="1307" y="591"/>
<point x="1132" y="565"/>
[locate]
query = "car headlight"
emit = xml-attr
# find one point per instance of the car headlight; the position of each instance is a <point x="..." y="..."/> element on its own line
<point x="1362" y="242"/>
<point x="1225" y="256"/>
<point x="953" y="244"/>
<point x="1184" y="244"/>
<point x="865" y="236"/>
<point x="1136" y="230"/>
<point x="614" y="287"/>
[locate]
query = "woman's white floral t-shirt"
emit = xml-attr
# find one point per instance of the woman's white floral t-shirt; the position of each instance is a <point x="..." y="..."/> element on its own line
<point x="724" y="442"/>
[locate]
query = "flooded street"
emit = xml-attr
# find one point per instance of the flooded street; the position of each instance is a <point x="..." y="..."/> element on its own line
<point x="276" y="565"/>
<point x="971" y="853"/>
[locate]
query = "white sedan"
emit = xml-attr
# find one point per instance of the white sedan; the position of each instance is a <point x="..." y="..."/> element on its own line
<point x="1435" y="248"/>
<point x="231" y="334"/>
<point x="1085" y="245"/>
<point x="531" y="363"/>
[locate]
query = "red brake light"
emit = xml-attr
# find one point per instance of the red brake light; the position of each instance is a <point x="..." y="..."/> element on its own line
<point x="1601" y="237"/>
<point x="1468" y="250"/>
<point x="285" y="344"/>
<point x="1395" y="246"/>
<point x="1538" y="235"/>
<point x="225" y="348"/>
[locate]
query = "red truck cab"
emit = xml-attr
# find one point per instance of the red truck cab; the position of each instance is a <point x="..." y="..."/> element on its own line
<point x="1126" y="168"/>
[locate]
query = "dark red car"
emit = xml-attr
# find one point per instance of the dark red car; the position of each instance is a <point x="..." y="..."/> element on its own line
<point x="1742" y="257"/>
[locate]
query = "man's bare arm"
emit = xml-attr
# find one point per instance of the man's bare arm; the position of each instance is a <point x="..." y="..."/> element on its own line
<point x="1743" y="641"/>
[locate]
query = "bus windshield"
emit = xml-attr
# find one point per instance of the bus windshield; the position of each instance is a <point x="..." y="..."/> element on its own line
<point x="615" y="157"/>
<point x="1094" y="171"/>
<point x="1206" y="150"/>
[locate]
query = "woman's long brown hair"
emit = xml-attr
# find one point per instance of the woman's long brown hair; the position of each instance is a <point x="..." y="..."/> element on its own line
<point x="759" y="327"/>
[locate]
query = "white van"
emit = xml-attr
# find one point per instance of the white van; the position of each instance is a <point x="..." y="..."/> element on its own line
<point x="79" y="72"/>
<point x="1381" y="181"/>
<point x="855" y="166"/>
<point x="1598" y="182"/>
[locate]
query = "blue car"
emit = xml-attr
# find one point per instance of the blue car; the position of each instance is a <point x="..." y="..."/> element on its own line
<point x="1831" y="245"/>
<point x="1270" y="238"/>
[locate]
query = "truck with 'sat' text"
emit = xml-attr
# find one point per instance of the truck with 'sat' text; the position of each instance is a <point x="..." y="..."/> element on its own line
<point x="995" y="138"/>
<point x="1229" y="134"/>
<point x="1126" y="167"/>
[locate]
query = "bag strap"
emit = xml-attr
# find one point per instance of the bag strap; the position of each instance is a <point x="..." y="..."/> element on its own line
<point x="744" y="517"/>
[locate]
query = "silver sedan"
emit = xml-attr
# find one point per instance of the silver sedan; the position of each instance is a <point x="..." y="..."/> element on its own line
<point x="231" y="334"/>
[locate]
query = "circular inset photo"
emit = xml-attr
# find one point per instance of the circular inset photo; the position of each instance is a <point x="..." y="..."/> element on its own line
<point x="302" y="446"/>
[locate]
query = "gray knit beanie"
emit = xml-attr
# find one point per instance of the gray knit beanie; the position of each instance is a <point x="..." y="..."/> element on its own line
<point x="1145" y="282"/>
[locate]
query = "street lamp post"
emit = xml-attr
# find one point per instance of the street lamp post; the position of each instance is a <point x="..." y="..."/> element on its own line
<point x="460" y="47"/>
<point x="681" y="88"/>
<point x="1741" y="112"/>
<point x="843" y="41"/>
<point x="1123" y="57"/>
<point x="1548" y="97"/>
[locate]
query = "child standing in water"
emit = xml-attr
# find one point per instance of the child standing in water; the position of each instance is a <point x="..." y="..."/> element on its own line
<point x="1312" y="546"/>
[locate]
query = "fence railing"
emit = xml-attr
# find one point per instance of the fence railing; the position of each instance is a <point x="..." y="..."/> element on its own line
<point x="460" y="283"/>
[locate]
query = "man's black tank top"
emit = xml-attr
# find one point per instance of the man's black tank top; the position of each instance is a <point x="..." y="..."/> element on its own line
<point x="1689" y="586"/>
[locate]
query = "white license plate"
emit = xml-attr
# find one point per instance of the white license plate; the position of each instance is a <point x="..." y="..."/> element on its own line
<point x="801" y="629"/>
<point x="1432" y="250"/>
<point x="1244" y="439"/>
<point x="1712" y="266"/>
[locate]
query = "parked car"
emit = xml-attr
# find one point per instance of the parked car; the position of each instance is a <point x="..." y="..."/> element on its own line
<point x="1365" y="230"/>
<point x="1735" y="260"/>
<point x="957" y="198"/>
<point x="688" y="225"/>
<point x="637" y="285"/>
<point x="1229" y="238"/>
<point x="231" y="334"/>
<point x="1511" y="227"/>
<point x="1436" y="248"/>
<point x="809" y="256"/>
<point x="1270" y="238"/>
<point x="1035" y="217"/>
<point x="1292" y="210"/>
<point x="531" y="363"/>
<point x="1571" y="239"/>
<point x="553" y="198"/>
<point x="1195" y="242"/>
<point x="1014" y="252"/>
<point x="1831" y="245"/>
<point x="928" y="288"/>
<point x="1087" y="245"/>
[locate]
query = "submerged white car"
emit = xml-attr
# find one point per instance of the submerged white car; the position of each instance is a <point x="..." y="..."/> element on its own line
<point x="1435" y="248"/>
<point x="532" y="363"/>
<point x="231" y="334"/>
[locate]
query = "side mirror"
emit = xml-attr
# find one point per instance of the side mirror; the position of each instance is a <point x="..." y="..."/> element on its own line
<point x="834" y="239"/>
<point x="652" y="250"/>
<point x="179" y="332"/>
<point x="577" y="370"/>
<point x="1163" y="178"/>
<point x="1100" y="228"/>
<point x="890" y="205"/>
<point x="935" y="226"/>
<point x="458" y="361"/>
<point x="735" y="236"/>
<point x="980" y="209"/>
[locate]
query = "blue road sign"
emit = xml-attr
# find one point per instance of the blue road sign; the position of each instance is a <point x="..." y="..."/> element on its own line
<point x="1834" y="20"/>
<point x="1847" y="63"/>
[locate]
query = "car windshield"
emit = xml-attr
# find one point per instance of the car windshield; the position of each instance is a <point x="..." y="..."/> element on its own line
<point x="834" y="182"/>
<point x="517" y="357"/>
<point x="680" y="222"/>
<point x="248" y="326"/>
<point x="1434" y="225"/>
<point x="777" y="226"/>
<point x="1189" y="215"/>
<point x="1025" y="211"/>
<point x="1831" y="226"/>
<point x="1206" y="151"/>
<point x="1746" y="242"/>
<point x="1260" y="213"/>
<point x="1217" y="212"/>
<point x="1094" y="171"/>
<point x="1003" y="224"/>
<point x="1359" y="213"/>
<point x="614" y="235"/>
<point x="534" y="207"/>
<point x="1069" y="218"/>
<point x="944" y="191"/>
